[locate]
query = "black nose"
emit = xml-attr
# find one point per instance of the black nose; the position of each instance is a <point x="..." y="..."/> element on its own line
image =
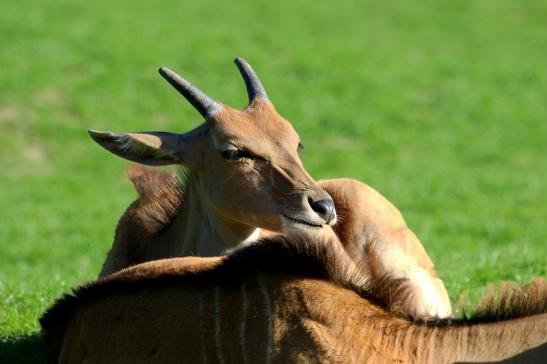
<point x="323" y="208"/>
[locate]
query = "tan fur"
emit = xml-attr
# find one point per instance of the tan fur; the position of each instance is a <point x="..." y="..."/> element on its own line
<point x="280" y="301"/>
<point x="372" y="230"/>
<point x="224" y="201"/>
<point x="221" y="203"/>
<point x="375" y="234"/>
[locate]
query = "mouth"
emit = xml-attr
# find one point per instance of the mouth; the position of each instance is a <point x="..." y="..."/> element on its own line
<point x="303" y="222"/>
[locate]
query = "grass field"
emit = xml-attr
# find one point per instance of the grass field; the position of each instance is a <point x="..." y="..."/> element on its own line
<point x="441" y="106"/>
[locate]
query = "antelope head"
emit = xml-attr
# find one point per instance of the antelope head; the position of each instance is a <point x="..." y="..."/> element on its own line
<point x="245" y="163"/>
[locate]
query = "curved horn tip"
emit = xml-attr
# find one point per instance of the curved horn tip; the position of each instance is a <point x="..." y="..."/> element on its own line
<point x="206" y="106"/>
<point x="95" y="133"/>
<point x="252" y="82"/>
<point x="240" y="60"/>
<point x="170" y="75"/>
<point x="99" y="135"/>
<point x="164" y="71"/>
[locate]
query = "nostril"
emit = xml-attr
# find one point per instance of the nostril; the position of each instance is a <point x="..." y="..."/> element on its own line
<point x="318" y="206"/>
<point x="323" y="208"/>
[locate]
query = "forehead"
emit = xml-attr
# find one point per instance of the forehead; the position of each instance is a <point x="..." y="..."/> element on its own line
<point x="254" y="126"/>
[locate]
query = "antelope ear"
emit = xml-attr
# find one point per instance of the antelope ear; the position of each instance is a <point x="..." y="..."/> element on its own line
<point x="151" y="148"/>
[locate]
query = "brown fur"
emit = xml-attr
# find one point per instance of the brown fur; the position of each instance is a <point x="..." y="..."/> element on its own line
<point x="509" y="300"/>
<point x="160" y="197"/>
<point x="367" y="223"/>
<point x="308" y="303"/>
<point x="225" y="201"/>
<point x="245" y="179"/>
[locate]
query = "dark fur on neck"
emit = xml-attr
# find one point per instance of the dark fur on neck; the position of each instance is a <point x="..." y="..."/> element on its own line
<point x="294" y="256"/>
<point x="161" y="195"/>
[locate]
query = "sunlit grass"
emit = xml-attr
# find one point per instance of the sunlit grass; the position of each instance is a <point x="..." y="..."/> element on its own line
<point x="441" y="107"/>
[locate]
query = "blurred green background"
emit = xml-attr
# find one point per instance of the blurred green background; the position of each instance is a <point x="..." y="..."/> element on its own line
<point x="440" y="105"/>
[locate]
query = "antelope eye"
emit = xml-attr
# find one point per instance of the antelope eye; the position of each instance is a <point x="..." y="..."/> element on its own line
<point x="235" y="154"/>
<point x="300" y="147"/>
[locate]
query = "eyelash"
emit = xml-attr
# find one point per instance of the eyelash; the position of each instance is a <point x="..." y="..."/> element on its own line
<point x="235" y="154"/>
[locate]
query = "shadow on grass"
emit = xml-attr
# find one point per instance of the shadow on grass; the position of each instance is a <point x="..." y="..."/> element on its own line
<point x="23" y="349"/>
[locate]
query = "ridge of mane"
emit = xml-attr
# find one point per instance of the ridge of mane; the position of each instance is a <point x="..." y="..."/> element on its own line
<point x="161" y="194"/>
<point x="320" y="257"/>
<point x="508" y="300"/>
<point x="295" y="255"/>
<point x="502" y="301"/>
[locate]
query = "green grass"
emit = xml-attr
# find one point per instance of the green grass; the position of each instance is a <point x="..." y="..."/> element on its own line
<point x="439" y="105"/>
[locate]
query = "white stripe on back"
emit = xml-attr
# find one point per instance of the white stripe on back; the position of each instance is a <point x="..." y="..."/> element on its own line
<point x="218" y="347"/>
<point x="202" y="330"/>
<point x="243" y="324"/>
<point x="269" y="325"/>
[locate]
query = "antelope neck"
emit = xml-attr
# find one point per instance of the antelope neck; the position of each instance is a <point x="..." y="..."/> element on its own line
<point x="204" y="231"/>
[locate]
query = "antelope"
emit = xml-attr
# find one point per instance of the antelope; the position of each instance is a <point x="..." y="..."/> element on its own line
<point x="284" y="299"/>
<point x="243" y="180"/>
